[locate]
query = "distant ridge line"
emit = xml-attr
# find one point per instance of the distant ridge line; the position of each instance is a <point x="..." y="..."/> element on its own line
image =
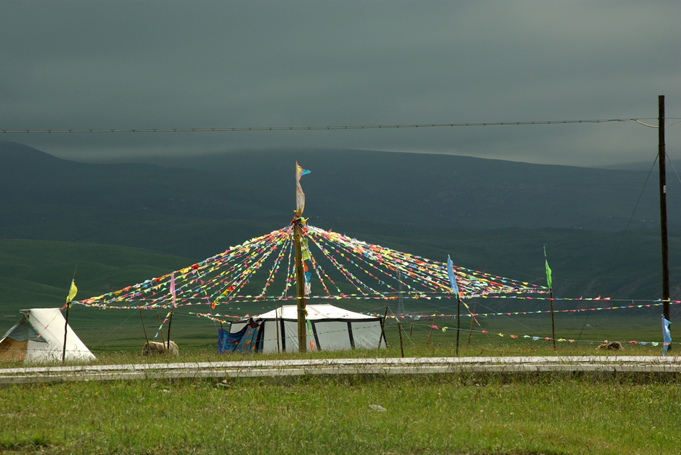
<point x="314" y="128"/>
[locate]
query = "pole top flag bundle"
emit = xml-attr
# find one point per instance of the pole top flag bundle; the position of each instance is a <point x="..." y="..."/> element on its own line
<point x="300" y="195"/>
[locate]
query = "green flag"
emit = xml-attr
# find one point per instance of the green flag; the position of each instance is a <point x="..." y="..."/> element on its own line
<point x="72" y="291"/>
<point x="548" y="270"/>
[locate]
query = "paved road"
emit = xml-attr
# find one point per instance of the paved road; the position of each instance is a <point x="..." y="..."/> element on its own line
<point x="354" y="366"/>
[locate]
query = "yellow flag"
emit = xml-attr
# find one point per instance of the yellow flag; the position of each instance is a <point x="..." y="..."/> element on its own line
<point x="72" y="291"/>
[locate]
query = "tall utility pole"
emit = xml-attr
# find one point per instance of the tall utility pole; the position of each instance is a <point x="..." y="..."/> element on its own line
<point x="663" y="208"/>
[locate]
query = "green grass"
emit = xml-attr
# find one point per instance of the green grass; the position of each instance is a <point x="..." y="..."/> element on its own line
<point x="464" y="413"/>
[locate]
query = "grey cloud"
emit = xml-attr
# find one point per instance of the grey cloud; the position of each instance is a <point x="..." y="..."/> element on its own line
<point x="153" y="64"/>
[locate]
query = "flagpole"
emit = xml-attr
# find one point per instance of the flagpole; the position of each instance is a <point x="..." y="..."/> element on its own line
<point x="549" y="282"/>
<point x="553" y="322"/>
<point x="475" y="305"/>
<point x="458" y="322"/>
<point x="170" y="322"/>
<point x="298" y="223"/>
<point x="66" y="323"/>
<point x="172" y="308"/>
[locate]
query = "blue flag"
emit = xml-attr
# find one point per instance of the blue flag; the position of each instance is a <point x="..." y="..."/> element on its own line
<point x="452" y="279"/>
<point x="666" y="334"/>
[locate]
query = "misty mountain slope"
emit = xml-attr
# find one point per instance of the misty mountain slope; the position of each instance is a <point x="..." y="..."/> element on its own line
<point x="36" y="186"/>
<point x="444" y="190"/>
<point x="409" y="189"/>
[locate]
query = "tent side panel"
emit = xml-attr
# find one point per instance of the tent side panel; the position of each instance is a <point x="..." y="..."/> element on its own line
<point x="333" y="335"/>
<point x="269" y="341"/>
<point x="291" y="332"/>
<point x="367" y="333"/>
<point x="37" y="352"/>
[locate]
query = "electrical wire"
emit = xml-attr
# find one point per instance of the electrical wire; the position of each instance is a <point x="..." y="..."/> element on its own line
<point x="320" y="128"/>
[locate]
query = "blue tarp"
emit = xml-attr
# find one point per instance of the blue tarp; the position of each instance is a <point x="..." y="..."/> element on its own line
<point x="247" y="339"/>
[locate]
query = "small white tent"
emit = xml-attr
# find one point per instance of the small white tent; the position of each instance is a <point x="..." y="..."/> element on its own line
<point x="332" y="329"/>
<point x="39" y="338"/>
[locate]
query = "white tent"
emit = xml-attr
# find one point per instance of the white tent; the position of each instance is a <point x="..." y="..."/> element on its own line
<point x="39" y="338"/>
<point x="332" y="329"/>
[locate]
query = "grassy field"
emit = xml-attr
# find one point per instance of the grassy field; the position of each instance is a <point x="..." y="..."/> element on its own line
<point x="457" y="414"/>
<point x="461" y="413"/>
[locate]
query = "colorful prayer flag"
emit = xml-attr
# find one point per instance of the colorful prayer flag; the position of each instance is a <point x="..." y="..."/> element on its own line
<point x="666" y="334"/>
<point x="548" y="271"/>
<point x="72" y="291"/>
<point x="172" y="289"/>
<point x="452" y="278"/>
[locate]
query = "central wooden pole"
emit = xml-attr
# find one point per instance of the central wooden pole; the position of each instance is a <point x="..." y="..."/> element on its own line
<point x="300" y="285"/>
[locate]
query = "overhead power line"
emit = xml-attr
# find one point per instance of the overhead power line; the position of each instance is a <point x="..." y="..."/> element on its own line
<point x="312" y="128"/>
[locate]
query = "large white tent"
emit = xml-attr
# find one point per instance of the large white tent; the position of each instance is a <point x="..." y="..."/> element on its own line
<point x="332" y="329"/>
<point x="39" y="338"/>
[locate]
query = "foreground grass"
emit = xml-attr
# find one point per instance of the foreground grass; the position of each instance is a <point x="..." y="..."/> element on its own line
<point x="552" y="414"/>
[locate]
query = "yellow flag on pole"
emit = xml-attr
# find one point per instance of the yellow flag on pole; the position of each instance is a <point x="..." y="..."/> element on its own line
<point x="72" y="291"/>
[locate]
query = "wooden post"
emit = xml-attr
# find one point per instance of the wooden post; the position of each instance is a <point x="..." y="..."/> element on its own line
<point x="383" y="330"/>
<point x="276" y="322"/>
<point x="399" y="330"/>
<point x="458" y="322"/>
<point x="661" y="148"/>
<point x="66" y="329"/>
<point x="471" y="329"/>
<point x="553" y="321"/>
<point x="300" y="286"/>
<point x="431" y="329"/>
<point x="66" y="324"/>
<point x="169" y="324"/>
<point x="144" y="328"/>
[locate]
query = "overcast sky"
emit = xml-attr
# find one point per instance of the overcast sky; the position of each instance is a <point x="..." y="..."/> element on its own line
<point x="182" y="64"/>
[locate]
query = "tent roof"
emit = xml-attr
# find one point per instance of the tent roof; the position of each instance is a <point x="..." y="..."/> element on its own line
<point x="314" y="312"/>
